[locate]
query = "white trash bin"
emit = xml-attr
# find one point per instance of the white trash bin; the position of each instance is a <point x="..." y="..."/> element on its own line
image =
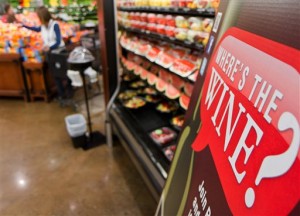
<point x="77" y="128"/>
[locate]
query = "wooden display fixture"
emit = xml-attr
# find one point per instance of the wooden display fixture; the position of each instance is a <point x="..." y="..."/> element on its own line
<point x="12" y="80"/>
<point x="39" y="81"/>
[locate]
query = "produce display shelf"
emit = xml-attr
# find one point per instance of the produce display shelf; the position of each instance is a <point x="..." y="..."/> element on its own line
<point x="185" y="79"/>
<point x="158" y="37"/>
<point x="200" y="12"/>
<point x="132" y="128"/>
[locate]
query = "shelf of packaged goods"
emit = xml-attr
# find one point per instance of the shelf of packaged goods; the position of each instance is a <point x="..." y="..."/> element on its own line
<point x="158" y="37"/>
<point x="132" y="128"/>
<point x="200" y="12"/>
<point x="185" y="79"/>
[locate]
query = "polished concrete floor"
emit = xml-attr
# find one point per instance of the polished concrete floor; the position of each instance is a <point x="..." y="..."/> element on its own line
<point x="42" y="174"/>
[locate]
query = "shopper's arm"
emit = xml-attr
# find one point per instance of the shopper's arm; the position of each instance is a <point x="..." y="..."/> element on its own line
<point x="58" y="37"/>
<point x="33" y="28"/>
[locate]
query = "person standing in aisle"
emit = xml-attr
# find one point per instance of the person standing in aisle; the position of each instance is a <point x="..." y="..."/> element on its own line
<point x="9" y="16"/>
<point x="49" y="29"/>
<point x="52" y="39"/>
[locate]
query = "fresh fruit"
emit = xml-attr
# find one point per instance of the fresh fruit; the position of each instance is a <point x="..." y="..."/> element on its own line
<point x="163" y="135"/>
<point x="127" y="95"/>
<point x="188" y="88"/>
<point x="183" y="67"/>
<point x="176" y="81"/>
<point x="165" y="60"/>
<point x="151" y="78"/>
<point x="161" y="85"/>
<point x="181" y="22"/>
<point x="134" y="103"/>
<point x="184" y="101"/>
<point x="172" y="92"/>
<point x="164" y="75"/>
<point x="167" y="106"/>
<point x="144" y="74"/>
<point x="178" y="121"/>
<point x="181" y="34"/>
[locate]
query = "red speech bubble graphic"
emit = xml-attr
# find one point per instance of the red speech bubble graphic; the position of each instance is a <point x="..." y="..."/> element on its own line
<point x="250" y="116"/>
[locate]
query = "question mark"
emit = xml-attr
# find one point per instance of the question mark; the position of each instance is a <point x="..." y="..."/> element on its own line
<point x="277" y="165"/>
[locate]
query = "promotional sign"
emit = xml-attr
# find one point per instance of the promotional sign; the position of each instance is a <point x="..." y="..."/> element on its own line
<point x="245" y="156"/>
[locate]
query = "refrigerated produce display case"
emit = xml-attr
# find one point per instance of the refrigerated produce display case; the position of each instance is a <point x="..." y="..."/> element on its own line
<point x="160" y="47"/>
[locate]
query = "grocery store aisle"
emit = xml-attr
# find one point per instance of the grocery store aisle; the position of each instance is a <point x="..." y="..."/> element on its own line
<point x="42" y="174"/>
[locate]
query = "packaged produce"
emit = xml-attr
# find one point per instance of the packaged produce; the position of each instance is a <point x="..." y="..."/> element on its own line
<point x="134" y="24"/>
<point x="195" y="23"/>
<point x="152" y="98"/>
<point x="128" y="94"/>
<point x="191" y="34"/>
<point x="193" y="76"/>
<point x="151" y="27"/>
<point x="166" y="3"/>
<point x="181" y="34"/>
<point x="207" y="24"/>
<point x="154" y="69"/>
<point x="165" y="46"/>
<point x="192" y="4"/>
<point x="174" y="3"/>
<point x="183" y="67"/>
<point x="153" y="53"/>
<point x="143" y="49"/>
<point x="131" y="16"/>
<point x="160" y="29"/>
<point x="149" y="91"/>
<point x="182" y="3"/>
<point x="134" y="103"/>
<point x="170" y="31"/>
<point x="137" y="84"/>
<point x="208" y="4"/>
<point x="135" y="58"/>
<point x="201" y="38"/>
<point x="151" y="17"/>
<point x="161" y="19"/>
<point x="165" y="60"/>
<point x="169" y="152"/>
<point x="181" y="22"/>
<point x="163" y="135"/>
<point x="195" y="58"/>
<point x="178" y="52"/>
<point x="128" y="77"/>
<point x="143" y="17"/>
<point x="167" y="106"/>
<point x="143" y="26"/>
<point x="146" y="64"/>
<point x="170" y="21"/>
<point x="133" y="44"/>
<point x="141" y="3"/>
<point x="177" y="121"/>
